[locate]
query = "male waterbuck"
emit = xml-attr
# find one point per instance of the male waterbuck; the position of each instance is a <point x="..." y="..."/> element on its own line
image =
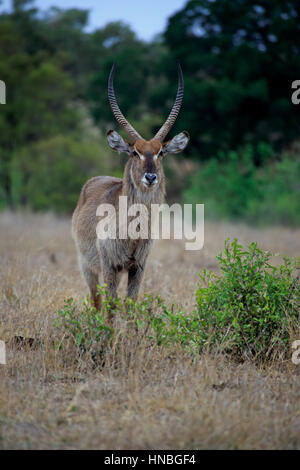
<point x="143" y="183"/>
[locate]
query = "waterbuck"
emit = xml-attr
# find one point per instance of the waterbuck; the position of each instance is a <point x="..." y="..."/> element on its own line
<point x="143" y="183"/>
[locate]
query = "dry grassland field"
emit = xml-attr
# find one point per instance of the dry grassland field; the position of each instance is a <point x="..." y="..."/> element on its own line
<point x="152" y="397"/>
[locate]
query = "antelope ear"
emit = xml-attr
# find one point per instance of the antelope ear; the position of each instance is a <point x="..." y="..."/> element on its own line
<point x="177" y="144"/>
<point x="117" y="142"/>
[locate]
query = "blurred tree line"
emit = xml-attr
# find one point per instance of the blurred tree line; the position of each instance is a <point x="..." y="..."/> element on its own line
<point x="239" y="61"/>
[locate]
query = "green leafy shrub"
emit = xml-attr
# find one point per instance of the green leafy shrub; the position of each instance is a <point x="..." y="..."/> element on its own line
<point x="49" y="174"/>
<point x="278" y="191"/>
<point x="226" y="185"/>
<point x="232" y="187"/>
<point x="148" y="322"/>
<point x="252" y="307"/>
<point x="250" y="310"/>
<point x="86" y="327"/>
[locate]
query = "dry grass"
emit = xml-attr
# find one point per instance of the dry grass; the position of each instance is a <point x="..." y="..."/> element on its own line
<point x="154" y="398"/>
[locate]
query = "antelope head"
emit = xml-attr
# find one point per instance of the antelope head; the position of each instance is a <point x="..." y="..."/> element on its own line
<point x="146" y="168"/>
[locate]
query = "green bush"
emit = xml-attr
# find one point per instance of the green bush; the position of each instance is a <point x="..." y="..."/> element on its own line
<point x="86" y="326"/>
<point x="232" y="187"/>
<point x="148" y="321"/>
<point x="250" y="310"/>
<point x="225" y="185"/>
<point x="278" y="191"/>
<point x="49" y="174"/>
<point x="252" y="307"/>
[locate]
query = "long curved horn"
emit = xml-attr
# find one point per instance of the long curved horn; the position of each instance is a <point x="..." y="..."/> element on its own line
<point x="161" y="134"/>
<point x="116" y="110"/>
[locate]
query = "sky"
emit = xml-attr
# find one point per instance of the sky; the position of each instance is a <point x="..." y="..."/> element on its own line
<point x="146" y="17"/>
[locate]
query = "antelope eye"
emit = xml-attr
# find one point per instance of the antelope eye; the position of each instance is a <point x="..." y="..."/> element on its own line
<point x="160" y="153"/>
<point x="135" y="153"/>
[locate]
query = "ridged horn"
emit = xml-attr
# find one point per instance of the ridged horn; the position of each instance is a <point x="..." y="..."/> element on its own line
<point x="163" y="131"/>
<point x="116" y="110"/>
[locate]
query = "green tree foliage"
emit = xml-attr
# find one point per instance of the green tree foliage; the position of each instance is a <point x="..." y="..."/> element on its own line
<point x="39" y="91"/>
<point x="56" y="75"/>
<point x="137" y="74"/>
<point x="240" y="59"/>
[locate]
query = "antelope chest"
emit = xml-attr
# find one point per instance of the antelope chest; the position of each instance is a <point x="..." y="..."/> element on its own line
<point x="123" y="254"/>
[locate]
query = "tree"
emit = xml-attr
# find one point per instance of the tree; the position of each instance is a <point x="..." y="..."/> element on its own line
<point x="119" y="45"/>
<point x="239" y="60"/>
<point x="40" y="94"/>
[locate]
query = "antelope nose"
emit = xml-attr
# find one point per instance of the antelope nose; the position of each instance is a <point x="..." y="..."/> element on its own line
<point x="150" y="177"/>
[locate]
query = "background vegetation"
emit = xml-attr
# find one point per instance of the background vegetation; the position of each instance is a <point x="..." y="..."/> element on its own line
<point x="239" y="61"/>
